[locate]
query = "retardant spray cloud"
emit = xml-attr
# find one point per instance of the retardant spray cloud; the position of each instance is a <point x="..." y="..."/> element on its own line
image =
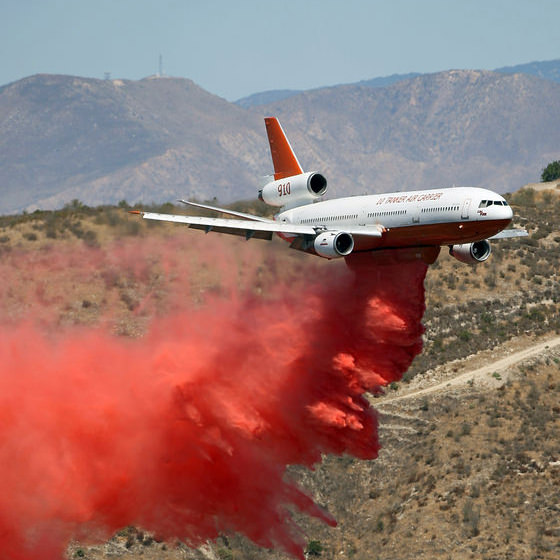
<point x="187" y="431"/>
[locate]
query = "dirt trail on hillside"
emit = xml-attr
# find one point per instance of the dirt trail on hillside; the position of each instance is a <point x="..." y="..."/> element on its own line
<point x="492" y="374"/>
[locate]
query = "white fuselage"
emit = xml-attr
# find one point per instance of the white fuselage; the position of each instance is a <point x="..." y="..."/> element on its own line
<point x="438" y="216"/>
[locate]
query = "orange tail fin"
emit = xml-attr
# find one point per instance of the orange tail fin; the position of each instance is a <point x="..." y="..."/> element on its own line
<point x="285" y="161"/>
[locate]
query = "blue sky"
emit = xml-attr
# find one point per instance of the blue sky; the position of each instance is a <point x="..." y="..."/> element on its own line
<point x="237" y="47"/>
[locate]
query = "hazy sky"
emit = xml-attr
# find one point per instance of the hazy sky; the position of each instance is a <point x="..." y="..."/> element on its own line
<point x="237" y="47"/>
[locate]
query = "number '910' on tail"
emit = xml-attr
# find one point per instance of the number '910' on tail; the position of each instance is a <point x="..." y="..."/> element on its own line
<point x="291" y="186"/>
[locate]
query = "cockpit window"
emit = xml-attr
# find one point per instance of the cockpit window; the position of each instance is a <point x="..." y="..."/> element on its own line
<point x="486" y="203"/>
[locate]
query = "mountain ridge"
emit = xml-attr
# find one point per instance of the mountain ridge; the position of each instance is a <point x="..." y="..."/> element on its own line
<point x="457" y="127"/>
<point x="159" y="139"/>
<point x="547" y="70"/>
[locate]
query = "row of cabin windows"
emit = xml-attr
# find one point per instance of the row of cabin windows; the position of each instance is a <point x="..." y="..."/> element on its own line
<point x="329" y="219"/>
<point x="387" y="213"/>
<point x="486" y="203"/>
<point x="391" y="213"/>
<point x="441" y="209"/>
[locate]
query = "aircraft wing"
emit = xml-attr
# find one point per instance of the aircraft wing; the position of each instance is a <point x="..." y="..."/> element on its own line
<point x="225" y="211"/>
<point x="252" y="226"/>
<point x="366" y="231"/>
<point x="509" y="233"/>
<point x="246" y="228"/>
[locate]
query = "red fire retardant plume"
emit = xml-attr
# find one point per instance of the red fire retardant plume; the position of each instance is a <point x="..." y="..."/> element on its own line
<point x="188" y="430"/>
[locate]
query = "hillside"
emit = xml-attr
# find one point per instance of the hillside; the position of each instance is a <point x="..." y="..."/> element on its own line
<point x="267" y="97"/>
<point x="102" y="141"/>
<point x="471" y="472"/>
<point x="467" y="470"/>
<point x="457" y="127"/>
<point x="547" y="70"/>
<point x="65" y="138"/>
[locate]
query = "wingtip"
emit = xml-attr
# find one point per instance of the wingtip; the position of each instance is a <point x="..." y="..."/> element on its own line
<point x="139" y="212"/>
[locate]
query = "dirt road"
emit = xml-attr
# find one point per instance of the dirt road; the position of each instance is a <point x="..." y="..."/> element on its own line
<point x="491" y="374"/>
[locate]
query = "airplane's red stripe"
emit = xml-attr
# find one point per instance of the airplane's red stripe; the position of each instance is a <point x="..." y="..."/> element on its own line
<point x="417" y="235"/>
<point x="433" y="234"/>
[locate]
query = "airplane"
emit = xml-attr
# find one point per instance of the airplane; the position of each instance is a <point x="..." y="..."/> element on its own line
<point x="379" y="228"/>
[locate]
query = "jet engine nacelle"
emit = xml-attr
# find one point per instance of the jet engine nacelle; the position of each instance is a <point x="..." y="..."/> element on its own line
<point x="471" y="253"/>
<point x="334" y="244"/>
<point x="296" y="189"/>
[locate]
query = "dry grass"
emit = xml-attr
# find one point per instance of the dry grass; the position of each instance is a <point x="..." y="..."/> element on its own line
<point x="461" y="475"/>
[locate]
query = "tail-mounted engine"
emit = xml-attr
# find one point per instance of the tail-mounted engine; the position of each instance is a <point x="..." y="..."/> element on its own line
<point x="290" y="191"/>
<point x="333" y="244"/>
<point x="471" y="253"/>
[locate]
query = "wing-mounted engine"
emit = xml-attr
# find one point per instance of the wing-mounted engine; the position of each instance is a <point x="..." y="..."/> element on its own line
<point x="471" y="253"/>
<point x="292" y="191"/>
<point x="333" y="244"/>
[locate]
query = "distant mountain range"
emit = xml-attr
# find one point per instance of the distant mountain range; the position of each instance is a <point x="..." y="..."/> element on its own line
<point x="101" y="141"/>
<point x="266" y="97"/>
<point x="64" y="138"/>
<point x="547" y="70"/>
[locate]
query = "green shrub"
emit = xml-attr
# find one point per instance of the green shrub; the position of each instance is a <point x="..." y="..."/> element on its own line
<point x="551" y="172"/>
<point x="314" y="548"/>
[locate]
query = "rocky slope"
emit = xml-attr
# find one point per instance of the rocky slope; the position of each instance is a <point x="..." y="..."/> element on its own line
<point x="65" y="138"/>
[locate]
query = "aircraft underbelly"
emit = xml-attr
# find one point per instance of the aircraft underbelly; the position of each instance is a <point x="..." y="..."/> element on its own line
<point x="432" y="234"/>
